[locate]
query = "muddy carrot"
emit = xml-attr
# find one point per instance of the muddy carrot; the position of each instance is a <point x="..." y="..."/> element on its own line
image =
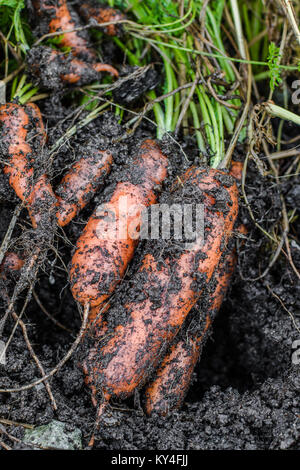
<point x="106" y="246"/>
<point x="80" y="73"/>
<point x="58" y="16"/>
<point x="101" y="14"/>
<point x="163" y="292"/>
<point x="167" y="390"/>
<point x="80" y="183"/>
<point x="53" y="69"/>
<point x="77" y="186"/>
<point x="37" y="195"/>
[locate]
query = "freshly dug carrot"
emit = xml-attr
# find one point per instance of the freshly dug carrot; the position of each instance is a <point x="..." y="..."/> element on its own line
<point x="101" y="14"/>
<point x="57" y="16"/>
<point x="167" y="390"/>
<point x="164" y="291"/>
<point x="76" y="189"/>
<point x="171" y="382"/>
<point x="53" y="69"/>
<point x="105" y="246"/>
<point x="37" y="195"/>
<point x="77" y="186"/>
<point x="80" y="183"/>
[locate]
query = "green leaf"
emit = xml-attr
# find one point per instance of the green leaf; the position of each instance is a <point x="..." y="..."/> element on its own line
<point x="12" y="3"/>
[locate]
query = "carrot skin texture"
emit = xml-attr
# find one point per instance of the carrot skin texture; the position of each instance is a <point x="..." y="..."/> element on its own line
<point x="14" y="132"/>
<point x="41" y="201"/>
<point x="15" y="122"/>
<point x="102" y="15"/>
<point x="102" y="254"/>
<point x="167" y="390"/>
<point x="58" y="16"/>
<point x="80" y="183"/>
<point x="121" y="365"/>
<point x="35" y="114"/>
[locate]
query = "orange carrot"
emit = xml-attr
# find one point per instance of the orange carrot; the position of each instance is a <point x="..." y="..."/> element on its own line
<point x="101" y="14"/>
<point x="57" y="16"/>
<point x="53" y="69"/>
<point x="79" y="72"/>
<point x="171" y="382"/>
<point x="165" y="291"/>
<point x="80" y="183"/>
<point x="102" y="254"/>
<point x="38" y="197"/>
<point x="77" y="186"/>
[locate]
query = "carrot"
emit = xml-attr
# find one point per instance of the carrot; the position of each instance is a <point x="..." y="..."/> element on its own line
<point x="38" y="197"/>
<point x="58" y="16"/>
<point x="77" y="186"/>
<point x="80" y="183"/>
<point x="171" y="382"/>
<point x="101" y="14"/>
<point x="14" y="131"/>
<point x="12" y="263"/>
<point x="102" y="254"/>
<point x="164" y="292"/>
<point x="80" y="73"/>
<point x="53" y="69"/>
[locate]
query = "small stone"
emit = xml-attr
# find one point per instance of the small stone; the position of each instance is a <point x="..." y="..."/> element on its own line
<point x="286" y="443"/>
<point x="54" y="434"/>
<point x="39" y="386"/>
<point x="223" y="419"/>
<point x="2" y="353"/>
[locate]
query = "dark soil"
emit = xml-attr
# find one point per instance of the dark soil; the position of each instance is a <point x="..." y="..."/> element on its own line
<point x="245" y="391"/>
